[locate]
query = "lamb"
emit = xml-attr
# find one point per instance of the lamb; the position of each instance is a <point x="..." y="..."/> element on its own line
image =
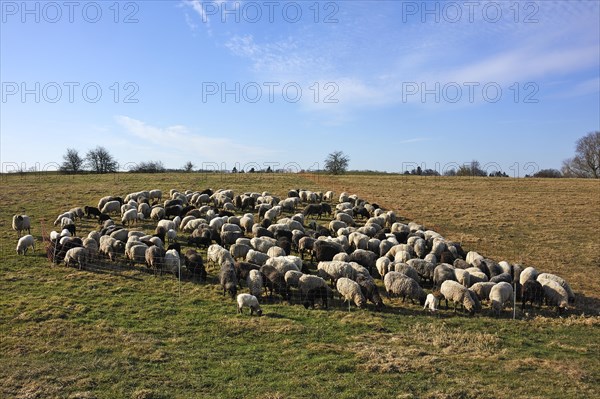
<point x="77" y="256"/>
<point x="254" y="281"/>
<point x="431" y="302"/>
<point x="555" y="294"/>
<point x="457" y="293"/>
<point x="24" y="243"/>
<point x="561" y="281"/>
<point x="350" y="291"/>
<point x="248" y="301"/>
<point x="500" y="294"/>
<point x="482" y="290"/>
<point x="532" y="291"/>
<point x="20" y="223"/>
<point x="228" y="278"/>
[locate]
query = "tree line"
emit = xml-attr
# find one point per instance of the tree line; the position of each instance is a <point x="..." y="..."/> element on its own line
<point x="584" y="164"/>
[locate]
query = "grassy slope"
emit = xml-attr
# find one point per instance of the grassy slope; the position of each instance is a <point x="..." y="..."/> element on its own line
<point x="124" y="333"/>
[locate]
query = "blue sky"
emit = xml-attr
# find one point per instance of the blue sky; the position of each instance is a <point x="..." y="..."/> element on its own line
<point x="393" y="84"/>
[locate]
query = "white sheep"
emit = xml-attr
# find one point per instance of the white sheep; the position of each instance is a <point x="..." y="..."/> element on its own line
<point x="219" y="255"/>
<point x="474" y="259"/>
<point x="559" y="280"/>
<point x="256" y="257"/>
<point x="350" y="291"/>
<point x="157" y="213"/>
<point x="24" y="243"/>
<point x="431" y="302"/>
<point x="555" y="294"/>
<point x="77" y="256"/>
<point x="457" y="293"/>
<point x="383" y="266"/>
<point x="129" y="216"/>
<point x="500" y="294"/>
<point x="335" y="270"/>
<point x="172" y="262"/>
<point x="166" y="224"/>
<point x="292" y="278"/>
<point x="248" y="301"/>
<point x="529" y="273"/>
<point x="275" y="251"/>
<point x="283" y="264"/>
<point x="111" y="207"/>
<point x="20" y="223"/>
<point x="482" y="290"/>
<point x="255" y="283"/>
<point x="239" y="250"/>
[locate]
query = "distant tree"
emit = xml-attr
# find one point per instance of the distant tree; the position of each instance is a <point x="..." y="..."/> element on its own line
<point x="472" y="169"/>
<point x="99" y="160"/>
<point x="586" y="162"/>
<point x="554" y="173"/>
<point x="337" y="163"/>
<point x="450" y="172"/>
<point x="234" y="170"/>
<point x="498" y="174"/>
<point x="188" y="167"/>
<point x="269" y="170"/>
<point x="252" y="170"/>
<point x="72" y="161"/>
<point x="149" y="167"/>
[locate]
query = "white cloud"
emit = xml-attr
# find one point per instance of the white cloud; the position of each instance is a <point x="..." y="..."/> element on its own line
<point x="178" y="143"/>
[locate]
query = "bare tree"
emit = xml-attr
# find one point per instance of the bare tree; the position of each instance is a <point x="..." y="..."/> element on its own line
<point x="99" y="160"/>
<point x="337" y="162"/>
<point x="586" y="162"/>
<point x="72" y="161"/>
<point x="188" y="167"/>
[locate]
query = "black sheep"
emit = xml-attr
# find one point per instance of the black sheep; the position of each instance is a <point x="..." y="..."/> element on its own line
<point x="242" y="269"/>
<point x="91" y="211"/>
<point x="313" y="209"/>
<point x="324" y="251"/>
<point x="370" y="290"/>
<point x="275" y="281"/>
<point x="195" y="264"/>
<point x="533" y="292"/>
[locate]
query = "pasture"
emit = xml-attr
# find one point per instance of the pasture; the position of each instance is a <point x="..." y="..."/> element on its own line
<point x="125" y="333"/>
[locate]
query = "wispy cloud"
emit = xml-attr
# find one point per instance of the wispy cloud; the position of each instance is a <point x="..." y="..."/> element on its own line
<point x="177" y="142"/>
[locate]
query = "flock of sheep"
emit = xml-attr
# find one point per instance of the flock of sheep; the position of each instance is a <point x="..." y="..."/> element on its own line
<point x="251" y="238"/>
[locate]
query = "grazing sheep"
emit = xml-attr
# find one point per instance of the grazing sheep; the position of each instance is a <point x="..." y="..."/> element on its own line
<point x="532" y="292"/>
<point x="555" y="295"/>
<point x="335" y="270"/>
<point x="111" y="247"/>
<point x="370" y="290"/>
<point x="276" y="252"/>
<point x="350" y="291"/>
<point x="262" y="244"/>
<point x="157" y="213"/>
<point x="324" y="251"/>
<point x="77" y="256"/>
<point x="255" y="283"/>
<point x="24" y="243"/>
<point x="275" y="281"/>
<point x="476" y="275"/>
<point x="500" y="293"/>
<point x="559" y="280"/>
<point x="111" y="207"/>
<point x="172" y="262"/>
<point x="423" y="267"/>
<point x="292" y="278"/>
<point x="502" y="277"/>
<point x="398" y="284"/>
<point x="130" y="216"/>
<point x="228" y="279"/>
<point x="383" y="266"/>
<point x="463" y="277"/>
<point x="473" y="258"/>
<point x="282" y="264"/>
<point x="459" y="294"/>
<point x="248" y="301"/>
<point x="441" y="273"/>
<point x="432" y="303"/>
<point x="312" y="288"/>
<point x="194" y="263"/>
<point x="257" y="257"/>
<point x="20" y="223"/>
<point x="364" y="258"/>
<point x="239" y="250"/>
<point x="482" y="290"/>
<point x="407" y="270"/>
<point x="136" y="253"/>
<point x="529" y="273"/>
<point x="219" y="255"/>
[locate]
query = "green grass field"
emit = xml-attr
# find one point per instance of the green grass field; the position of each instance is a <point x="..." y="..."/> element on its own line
<point x="123" y="333"/>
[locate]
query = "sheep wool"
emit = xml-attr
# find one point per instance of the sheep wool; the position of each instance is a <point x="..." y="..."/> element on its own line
<point x="350" y="291"/>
